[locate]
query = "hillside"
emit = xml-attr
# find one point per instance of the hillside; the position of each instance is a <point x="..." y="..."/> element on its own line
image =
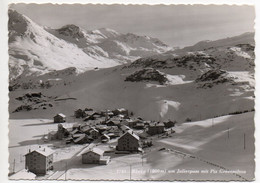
<point x="178" y="85"/>
<point x="191" y="84"/>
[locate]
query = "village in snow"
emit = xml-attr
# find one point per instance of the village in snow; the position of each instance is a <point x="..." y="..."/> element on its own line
<point x="101" y="134"/>
<point x="90" y="103"/>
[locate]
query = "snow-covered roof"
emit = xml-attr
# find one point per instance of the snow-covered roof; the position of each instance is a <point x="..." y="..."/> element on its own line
<point x="74" y="131"/>
<point x="121" y="109"/>
<point x="67" y="125"/>
<point x="124" y="127"/>
<point x="62" y="115"/>
<point x="157" y="124"/>
<point x="94" y="129"/>
<point x="45" y="151"/>
<point x="105" y="135"/>
<point x="95" y="150"/>
<point x="131" y="133"/>
<point x="98" y="151"/>
<point x="81" y="136"/>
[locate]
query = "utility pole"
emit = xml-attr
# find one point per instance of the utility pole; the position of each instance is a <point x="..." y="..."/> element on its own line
<point x="66" y="171"/>
<point x="130" y="172"/>
<point x="14" y="167"/>
<point x="142" y="159"/>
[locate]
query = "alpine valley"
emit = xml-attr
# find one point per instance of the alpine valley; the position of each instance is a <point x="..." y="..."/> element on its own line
<point x="207" y="90"/>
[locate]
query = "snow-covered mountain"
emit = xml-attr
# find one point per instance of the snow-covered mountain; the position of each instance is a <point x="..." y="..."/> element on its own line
<point x="35" y="50"/>
<point x="111" y="44"/>
<point x="208" y="79"/>
<point x="179" y="86"/>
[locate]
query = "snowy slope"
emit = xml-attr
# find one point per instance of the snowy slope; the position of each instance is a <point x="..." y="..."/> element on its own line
<point x="177" y="86"/>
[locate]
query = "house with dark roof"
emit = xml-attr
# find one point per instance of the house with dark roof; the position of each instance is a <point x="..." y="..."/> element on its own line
<point x="39" y="161"/>
<point x="122" y="111"/>
<point x="129" y="141"/>
<point x="169" y="124"/>
<point x="59" y="118"/>
<point x="80" y="113"/>
<point x="155" y="128"/>
<point x="139" y="125"/>
<point x="81" y="139"/>
<point x="94" y="133"/>
<point x="113" y="123"/>
<point x="105" y="138"/>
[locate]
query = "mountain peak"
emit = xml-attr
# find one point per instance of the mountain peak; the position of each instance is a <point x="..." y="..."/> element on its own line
<point x="17" y="24"/>
<point x="71" y="30"/>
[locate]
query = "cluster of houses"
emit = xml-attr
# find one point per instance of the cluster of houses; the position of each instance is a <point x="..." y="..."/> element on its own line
<point x="99" y="126"/>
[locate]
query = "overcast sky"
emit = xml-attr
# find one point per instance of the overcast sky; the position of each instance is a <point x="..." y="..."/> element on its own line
<point x="176" y="25"/>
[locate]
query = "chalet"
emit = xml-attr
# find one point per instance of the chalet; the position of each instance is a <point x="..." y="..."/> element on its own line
<point x="81" y="139"/>
<point x="169" y="124"/>
<point x="131" y="123"/>
<point x="100" y="120"/>
<point x="94" y="133"/>
<point x="90" y="113"/>
<point x="121" y="116"/>
<point x="97" y="115"/>
<point x="95" y="156"/>
<point x="105" y="138"/>
<point x="76" y="131"/>
<point x="155" y="128"/>
<point x="129" y="141"/>
<point x="76" y="126"/>
<point x="101" y="128"/>
<point x="113" y="123"/>
<point x="114" y="129"/>
<point x="39" y="161"/>
<point x="112" y="135"/>
<point x="89" y="118"/>
<point x="110" y="114"/>
<point x="88" y="109"/>
<point x="85" y="129"/>
<point x="122" y="111"/>
<point x="139" y="125"/>
<point x="80" y="113"/>
<point x="105" y="132"/>
<point x="59" y="118"/>
<point x="107" y="113"/>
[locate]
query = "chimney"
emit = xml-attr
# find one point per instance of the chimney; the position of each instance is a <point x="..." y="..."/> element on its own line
<point x="29" y="150"/>
<point x="44" y="149"/>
